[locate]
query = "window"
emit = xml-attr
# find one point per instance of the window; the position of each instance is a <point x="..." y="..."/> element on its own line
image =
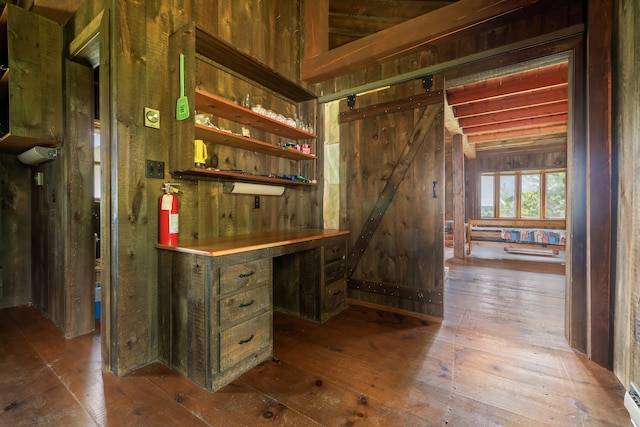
<point x="487" y="204"/>
<point x="530" y="194"/>
<point x="507" y="196"/>
<point x="555" y="190"/>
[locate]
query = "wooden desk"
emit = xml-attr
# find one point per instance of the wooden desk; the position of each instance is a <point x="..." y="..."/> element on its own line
<point x="216" y="297"/>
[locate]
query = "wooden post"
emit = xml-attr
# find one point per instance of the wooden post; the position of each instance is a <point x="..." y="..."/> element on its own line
<point x="599" y="347"/>
<point x="457" y="158"/>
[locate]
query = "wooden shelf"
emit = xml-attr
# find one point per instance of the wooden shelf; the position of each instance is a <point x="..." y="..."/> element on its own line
<point x="229" y="56"/>
<point x="200" y="173"/>
<point x="217" y="136"/>
<point x="220" y="107"/>
<point x="13" y="144"/>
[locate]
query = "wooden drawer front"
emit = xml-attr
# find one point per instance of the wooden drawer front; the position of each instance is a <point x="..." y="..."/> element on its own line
<point x="241" y="341"/>
<point x="335" y="295"/>
<point x="334" y="252"/>
<point x="240" y="276"/>
<point x="334" y="271"/>
<point x="244" y="305"/>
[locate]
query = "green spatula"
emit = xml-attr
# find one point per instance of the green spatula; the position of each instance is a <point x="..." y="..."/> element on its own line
<point x="182" y="106"/>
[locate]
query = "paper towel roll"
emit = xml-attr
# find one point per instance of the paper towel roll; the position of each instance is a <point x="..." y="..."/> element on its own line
<point x="256" y="189"/>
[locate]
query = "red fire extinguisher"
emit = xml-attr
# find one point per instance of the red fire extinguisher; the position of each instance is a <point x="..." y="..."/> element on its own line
<point x="168" y="216"/>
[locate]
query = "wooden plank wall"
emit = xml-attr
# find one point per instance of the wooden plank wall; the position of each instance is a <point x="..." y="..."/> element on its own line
<point x="269" y="31"/>
<point x="626" y="139"/>
<point x="15" y="244"/>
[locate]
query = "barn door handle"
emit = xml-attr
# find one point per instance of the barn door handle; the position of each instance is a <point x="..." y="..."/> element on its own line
<point x="246" y="341"/>
<point x="435" y="189"/>
<point x="249" y="274"/>
<point x="246" y="304"/>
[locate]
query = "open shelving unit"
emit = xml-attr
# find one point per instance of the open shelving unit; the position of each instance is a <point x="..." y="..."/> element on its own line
<point x="193" y="40"/>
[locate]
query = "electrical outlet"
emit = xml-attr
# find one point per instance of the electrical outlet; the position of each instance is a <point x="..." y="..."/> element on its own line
<point x="256" y="202"/>
<point x="155" y="169"/>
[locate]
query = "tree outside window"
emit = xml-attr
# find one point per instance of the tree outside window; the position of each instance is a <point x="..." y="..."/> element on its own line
<point x="556" y="195"/>
<point x="507" y="196"/>
<point x="530" y="196"/>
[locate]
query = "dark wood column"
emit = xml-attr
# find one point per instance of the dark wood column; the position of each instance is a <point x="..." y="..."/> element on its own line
<point x="599" y="188"/>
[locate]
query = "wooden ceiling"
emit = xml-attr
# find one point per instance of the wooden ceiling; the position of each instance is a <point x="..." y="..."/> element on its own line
<point x="351" y="20"/>
<point x="525" y="110"/>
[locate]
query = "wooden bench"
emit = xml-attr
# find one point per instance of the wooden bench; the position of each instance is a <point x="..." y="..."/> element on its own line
<point x="489" y="232"/>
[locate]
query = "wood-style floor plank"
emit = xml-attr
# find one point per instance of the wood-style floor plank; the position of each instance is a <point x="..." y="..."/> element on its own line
<point x="498" y="358"/>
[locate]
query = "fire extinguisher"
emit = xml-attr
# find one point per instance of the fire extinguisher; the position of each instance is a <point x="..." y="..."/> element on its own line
<point x="168" y="216"/>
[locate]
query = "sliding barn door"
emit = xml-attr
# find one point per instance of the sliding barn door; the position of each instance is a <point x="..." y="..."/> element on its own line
<point x="393" y="179"/>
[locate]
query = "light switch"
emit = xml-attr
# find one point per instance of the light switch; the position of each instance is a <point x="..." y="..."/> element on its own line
<point x="151" y="118"/>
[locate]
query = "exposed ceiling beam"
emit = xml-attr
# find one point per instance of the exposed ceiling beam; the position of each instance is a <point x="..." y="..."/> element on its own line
<point x="405" y="38"/>
<point x="533" y="98"/>
<point x="509" y="134"/>
<point x="555" y="76"/>
<point x="516" y="114"/>
<point x="552" y="119"/>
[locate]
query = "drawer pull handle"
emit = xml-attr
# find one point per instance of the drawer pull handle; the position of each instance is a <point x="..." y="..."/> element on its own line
<point x="336" y="293"/>
<point x="249" y="274"/>
<point x="246" y="304"/>
<point x="246" y="341"/>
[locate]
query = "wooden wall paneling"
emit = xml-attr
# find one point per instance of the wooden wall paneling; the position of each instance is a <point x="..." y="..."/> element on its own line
<point x="457" y="158"/>
<point x="78" y="150"/>
<point x="205" y="12"/>
<point x="16" y="243"/>
<point x="627" y="143"/>
<point x="164" y="322"/>
<point x="134" y="237"/>
<point x="599" y="75"/>
<point x="191" y="207"/>
<point x="208" y="209"/>
<point x="316" y="27"/>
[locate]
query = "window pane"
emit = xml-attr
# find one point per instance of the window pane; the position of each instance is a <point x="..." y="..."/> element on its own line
<point x="487" y="209"/>
<point x="530" y="197"/>
<point x="556" y="195"/>
<point x="507" y="196"/>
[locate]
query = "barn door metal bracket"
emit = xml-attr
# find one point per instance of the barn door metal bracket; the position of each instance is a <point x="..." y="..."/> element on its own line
<point x="351" y="101"/>
<point x="427" y="82"/>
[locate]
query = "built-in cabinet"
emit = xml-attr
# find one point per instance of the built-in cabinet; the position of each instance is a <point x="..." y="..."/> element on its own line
<point x="197" y="45"/>
<point x="216" y="297"/>
<point x="31" y="97"/>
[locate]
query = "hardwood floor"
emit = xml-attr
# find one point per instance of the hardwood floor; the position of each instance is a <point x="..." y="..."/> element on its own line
<point x="499" y="358"/>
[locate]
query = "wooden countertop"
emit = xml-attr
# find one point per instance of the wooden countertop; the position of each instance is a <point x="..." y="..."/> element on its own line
<point x="219" y="246"/>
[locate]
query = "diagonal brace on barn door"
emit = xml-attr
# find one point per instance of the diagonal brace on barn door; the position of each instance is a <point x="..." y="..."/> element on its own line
<point x="418" y="136"/>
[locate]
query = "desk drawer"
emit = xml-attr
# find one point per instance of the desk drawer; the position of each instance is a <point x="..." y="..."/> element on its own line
<point x="334" y="252"/>
<point x="335" y="295"/>
<point x="244" y="305"/>
<point x="238" y="276"/>
<point x="243" y="340"/>
<point x="334" y="271"/>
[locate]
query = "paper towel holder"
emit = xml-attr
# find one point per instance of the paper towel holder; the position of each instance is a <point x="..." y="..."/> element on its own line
<point x="254" y="189"/>
<point x="37" y="155"/>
